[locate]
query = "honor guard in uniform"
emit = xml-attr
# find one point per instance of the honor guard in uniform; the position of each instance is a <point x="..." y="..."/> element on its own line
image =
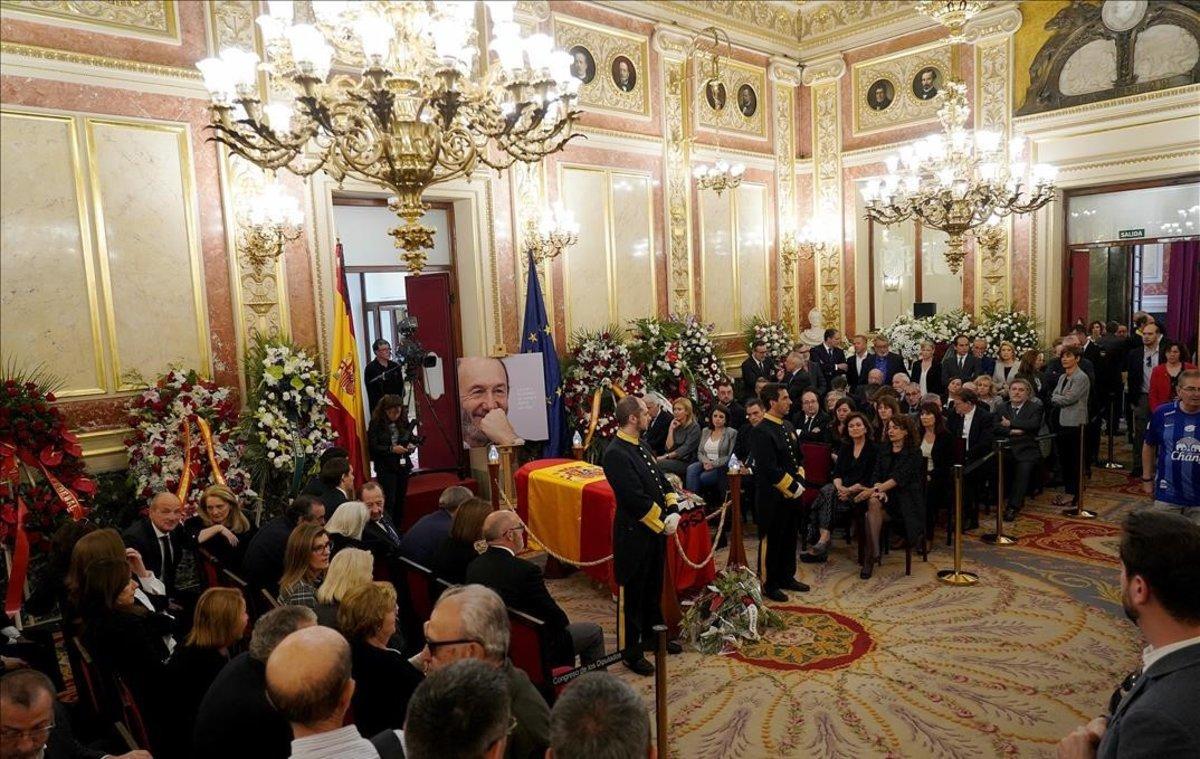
<point x="777" y="474"/>
<point x="645" y="514"/>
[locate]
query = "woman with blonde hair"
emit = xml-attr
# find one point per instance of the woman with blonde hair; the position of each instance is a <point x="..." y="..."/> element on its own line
<point x="305" y="561"/>
<point x="457" y="549"/>
<point x="219" y="526"/>
<point x="345" y="527"/>
<point x="1007" y="366"/>
<point x="384" y="680"/>
<point x="218" y="626"/>
<point x="683" y="439"/>
<point x="348" y="570"/>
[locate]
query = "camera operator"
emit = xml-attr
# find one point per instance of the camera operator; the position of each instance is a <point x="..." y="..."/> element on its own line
<point x="392" y="443"/>
<point x="382" y="375"/>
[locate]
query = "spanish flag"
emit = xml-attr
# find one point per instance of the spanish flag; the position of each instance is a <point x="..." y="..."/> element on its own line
<point x="345" y="411"/>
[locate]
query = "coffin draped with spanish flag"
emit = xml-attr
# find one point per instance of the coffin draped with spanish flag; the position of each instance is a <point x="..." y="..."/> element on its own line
<point x="346" y="413"/>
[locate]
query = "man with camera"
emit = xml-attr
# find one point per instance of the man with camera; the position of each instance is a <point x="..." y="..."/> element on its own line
<point x="382" y="375"/>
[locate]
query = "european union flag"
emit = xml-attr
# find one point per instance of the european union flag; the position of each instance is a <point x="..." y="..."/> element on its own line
<point x="537" y="337"/>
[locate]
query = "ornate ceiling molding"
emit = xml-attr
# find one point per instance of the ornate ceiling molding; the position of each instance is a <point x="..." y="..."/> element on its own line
<point x="768" y="27"/>
<point x="826" y="69"/>
<point x="784" y="71"/>
<point x="995" y="21"/>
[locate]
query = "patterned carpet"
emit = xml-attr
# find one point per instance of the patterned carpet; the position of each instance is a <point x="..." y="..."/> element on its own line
<point x="902" y="666"/>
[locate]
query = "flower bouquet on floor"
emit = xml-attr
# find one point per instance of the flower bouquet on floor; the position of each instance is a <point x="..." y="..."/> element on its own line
<point x="728" y="612"/>
<point x="775" y="334"/>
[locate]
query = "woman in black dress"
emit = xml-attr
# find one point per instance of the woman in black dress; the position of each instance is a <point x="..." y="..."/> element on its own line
<point x="896" y="494"/>
<point x="220" y="527"/>
<point x="384" y="680"/>
<point x="391" y="444"/>
<point x="457" y="549"/>
<point x="851" y="477"/>
<point x="937" y="448"/>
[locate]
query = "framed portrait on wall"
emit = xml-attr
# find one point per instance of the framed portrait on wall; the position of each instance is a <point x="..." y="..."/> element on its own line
<point x="881" y="95"/>
<point x="899" y="89"/>
<point x="624" y="74"/>
<point x="714" y="93"/>
<point x="613" y="65"/>
<point x="926" y="83"/>
<point x="583" y="65"/>
<point x="747" y="100"/>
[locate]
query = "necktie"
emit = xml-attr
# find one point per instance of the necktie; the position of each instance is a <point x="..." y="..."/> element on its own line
<point x="390" y="532"/>
<point x="1017" y="410"/>
<point x="960" y="362"/>
<point x="1147" y="361"/>
<point x="168" y="561"/>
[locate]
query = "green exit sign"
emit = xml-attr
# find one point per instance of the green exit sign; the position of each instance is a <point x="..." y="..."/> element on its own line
<point x="1130" y="234"/>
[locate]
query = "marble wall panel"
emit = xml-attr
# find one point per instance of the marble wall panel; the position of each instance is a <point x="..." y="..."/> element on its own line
<point x="753" y="243"/>
<point x="718" y="261"/>
<point x="144" y="200"/>
<point x="48" y="298"/>
<point x="586" y="276"/>
<point x="633" y="248"/>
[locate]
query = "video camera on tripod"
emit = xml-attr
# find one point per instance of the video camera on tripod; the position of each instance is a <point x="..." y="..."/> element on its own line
<point x="408" y="351"/>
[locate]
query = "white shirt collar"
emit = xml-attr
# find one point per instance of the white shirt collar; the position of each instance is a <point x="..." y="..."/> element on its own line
<point x="511" y="552"/>
<point x="1150" y="654"/>
<point x="158" y="534"/>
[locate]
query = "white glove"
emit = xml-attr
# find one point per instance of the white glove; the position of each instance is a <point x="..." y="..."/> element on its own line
<point x="671" y="524"/>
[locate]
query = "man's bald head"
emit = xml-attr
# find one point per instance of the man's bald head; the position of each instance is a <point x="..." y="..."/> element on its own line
<point x="497" y="523"/>
<point x="308" y="676"/>
<point x="166" y="511"/>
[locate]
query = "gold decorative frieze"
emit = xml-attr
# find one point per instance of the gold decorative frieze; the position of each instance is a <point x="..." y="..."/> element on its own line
<point x="39" y="53"/>
<point x="827" y="197"/>
<point x="845" y="17"/>
<point x="735" y="103"/>
<point x="900" y="89"/>
<point x="231" y="23"/>
<point x="262" y="289"/>
<point x="673" y="47"/>
<point x="142" y="18"/>
<point x="785" y="77"/>
<point x="613" y="65"/>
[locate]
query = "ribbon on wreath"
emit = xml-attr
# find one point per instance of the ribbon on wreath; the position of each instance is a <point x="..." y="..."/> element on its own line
<point x="594" y="416"/>
<point x="185" y="479"/>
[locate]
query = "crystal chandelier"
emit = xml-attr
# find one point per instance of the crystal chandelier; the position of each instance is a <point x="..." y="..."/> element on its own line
<point x="957" y="180"/>
<point x="419" y="110"/>
<point x="549" y="236"/>
<point x="271" y="218"/>
<point x="952" y="14"/>
<point x="813" y="241"/>
<point x="719" y="177"/>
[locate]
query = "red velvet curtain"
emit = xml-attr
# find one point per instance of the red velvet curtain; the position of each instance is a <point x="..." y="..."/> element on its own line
<point x="1183" y="293"/>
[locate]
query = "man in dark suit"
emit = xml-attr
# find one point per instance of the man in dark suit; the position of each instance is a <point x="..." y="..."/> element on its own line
<point x="1139" y="363"/>
<point x="858" y="363"/>
<point x="157" y="538"/>
<point x="979" y="349"/>
<point x="737" y="412"/>
<point x="235" y="719"/>
<point x="960" y="362"/>
<point x="829" y="356"/>
<point x="798" y="376"/>
<point x="885" y="360"/>
<point x="974" y="427"/>
<point x="380" y="535"/>
<point x="522" y="587"/>
<point x="1018" y="419"/>
<point x="421" y="541"/>
<point x="338" y="479"/>
<point x="811" y="421"/>
<point x="756" y="365"/>
<point x="263" y="562"/>
<point x="645" y="514"/>
<point x="1159" y="577"/>
<point x="314" y="486"/>
<point x="655" y="437"/>
<point x="776" y="502"/>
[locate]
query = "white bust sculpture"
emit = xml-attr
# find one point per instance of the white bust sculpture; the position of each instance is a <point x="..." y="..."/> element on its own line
<point x="816" y="329"/>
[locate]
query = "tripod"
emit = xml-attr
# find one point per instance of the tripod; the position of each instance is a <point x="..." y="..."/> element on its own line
<point x="420" y="394"/>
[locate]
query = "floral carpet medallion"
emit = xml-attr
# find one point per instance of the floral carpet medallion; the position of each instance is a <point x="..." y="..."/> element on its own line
<point x="811" y="639"/>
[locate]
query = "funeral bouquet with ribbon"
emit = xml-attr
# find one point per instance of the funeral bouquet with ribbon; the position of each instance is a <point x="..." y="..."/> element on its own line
<point x="285" y="427"/>
<point x="185" y="438"/>
<point x="42" y="476"/>
<point x="598" y="371"/>
<point x="729" y="612"/>
<point x="775" y="334"/>
<point x="677" y="356"/>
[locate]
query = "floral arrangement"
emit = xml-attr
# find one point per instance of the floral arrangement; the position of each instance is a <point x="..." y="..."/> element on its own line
<point x="285" y="427"/>
<point x="907" y="333"/>
<point x="37" y="454"/>
<point x="156" y="447"/>
<point x="597" y="361"/>
<point x="677" y="356"/>
<point x="1016" y="327"/>
<point x="775" y="334"/>
<point x="729" y="611"/>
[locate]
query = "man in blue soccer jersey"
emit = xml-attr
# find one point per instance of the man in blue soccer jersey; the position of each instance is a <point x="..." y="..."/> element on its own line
<point x="1171" y="455"/>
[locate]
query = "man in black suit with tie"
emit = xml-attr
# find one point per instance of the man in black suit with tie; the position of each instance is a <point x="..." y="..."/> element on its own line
<point x="159" y="540"/>
<point x="756" y="365"/>
<point x="521" y="586"/>
<point x="799" y="377"/>
<point x="1159" y="578"/>
<point x="858" y="363"/>
<point x="974" y="427"/>
<point x="811" y="420"/>
<point x="645" y="516"/>
<point x="655" y="437"/>
<point x="1018" y="419"/>
<point x="829" y="356"/>
<point x="380" y="535"/>
<point x="960" y="362"/>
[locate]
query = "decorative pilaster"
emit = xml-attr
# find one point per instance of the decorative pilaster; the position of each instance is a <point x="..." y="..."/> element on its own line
<point x="992" y="32"/>
<point x="673" y="48"/>
<point x="822" y="76"/>
<point x="785" y="77"/>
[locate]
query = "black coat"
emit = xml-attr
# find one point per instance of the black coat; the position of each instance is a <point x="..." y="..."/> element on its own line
<point x="263" y="560"/>
<point x="803" y="380"/>
<point x="235" y="720"/>
<point x="981" y="434"/>
<point x="1023" y="447"/>
<point x="380" y="437"/>
<point x="332" y="498"/>
<point x="855" y="377"/>
<point x="811" y="430"/>
<point x="970" y="369"/>
<point x="384" y="682"/>
<point x="379" y="541"/>
<point x="751" y="371"/>
<point x="855" y="471"/>
<point x="644" y="499"/>
<point x="230" y="557"/>
<point x="933" y="383"/>
<point x="62" y="744"/>
<point x="906" y="468"/>
<point x="451" y="559"/>
<point x="131" y="645"/>
<point x="1134" y="368"/>
<point x="655" y="437"/>
<point x="140" y="535"/>
<point x="522" y="587"/>
<point x="190" y="673"/>
<point x="828" y="359"/>
<point x="777" y="469"/>
<point x="380" y="384"/>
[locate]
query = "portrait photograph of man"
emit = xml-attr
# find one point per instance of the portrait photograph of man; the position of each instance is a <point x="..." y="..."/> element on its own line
<point x="501" y="401"/>
<point x="925" y="83"/>
<point x="714" y="93"/>
<point x="624" y="74"/>
<point x="747" y="100"/>
<point x="583" y="65"/>
<point x="881" y="95"/>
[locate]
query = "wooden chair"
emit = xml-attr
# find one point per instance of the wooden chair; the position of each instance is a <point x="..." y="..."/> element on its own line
<point x="818" y="469"/>
<point x="528" y="649"/>
<point x="132" y="714"/>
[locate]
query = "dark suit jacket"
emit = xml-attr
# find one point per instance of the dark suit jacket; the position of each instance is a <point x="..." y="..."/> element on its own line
<point x="263" y="560"/>
<point x="451" y="559"/>
<point x="1023" y="447"/>
<point x="421" y="541"/>
<point x="893" y="366"/>
<point x="751" y="372"/>
<point x="933" y="383"/>
<point x="388" y="745"/>
<point x="970" y="369"/>
<point x="810" y="430"/>
<point x="656" y="436"/>
<point x="987" y="365"/>
<point x="803" y="380"/>
<point x="855" y="377"/>
<point x="235" y="720"/>
<point x="62" y="743"/>
<point x="981" y="434"/>
<point x="378" y="541"/>
<point x="332" y="498"/>
<point x="1134" y="367"/>
<point x="140" y="535"/>
<point x="1158" y="716"/>
<point x="190" y="672"/>
<point x="522" y="587"/>
<point x="384" y="682"/>
<point x="737" y="416"/>
<point x="828" y="358"/>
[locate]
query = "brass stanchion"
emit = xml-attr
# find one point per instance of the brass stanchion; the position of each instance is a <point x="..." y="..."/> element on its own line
<point x="737" y="549"/>
<point x="660" y="689"/>
<point x="1079" y="512"/>
<point x="1112" y="463"/>
<point x="493" y="465"/>
<point x="956" y="576"/>
<point x="998" y="538"/>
